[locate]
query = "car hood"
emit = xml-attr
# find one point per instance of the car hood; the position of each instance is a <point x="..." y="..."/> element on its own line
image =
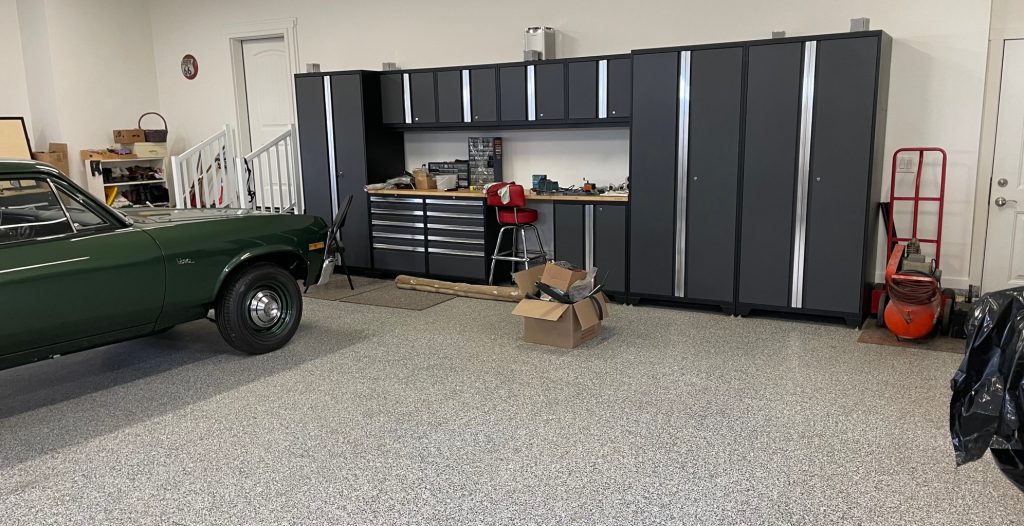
<point x="180" y="215"/>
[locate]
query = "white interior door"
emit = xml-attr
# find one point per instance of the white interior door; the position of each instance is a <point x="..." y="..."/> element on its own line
<point x="1004" y="245"/>
<point x="269" y="104"/>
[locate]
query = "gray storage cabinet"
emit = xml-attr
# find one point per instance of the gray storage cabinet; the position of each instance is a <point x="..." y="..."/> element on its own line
<point x="483" y="88"/>
<point x="594" y="235"/>
<point x="422" y="97"/>
<point x="345" y="107"/>
<point x="814" y="139"/>
<point x="755" y="173"/>
<point x="449" y="96"/>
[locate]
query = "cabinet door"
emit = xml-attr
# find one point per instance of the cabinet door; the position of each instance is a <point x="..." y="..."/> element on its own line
<point x="421" y="88"/>
<point x="653" y="173"/>
<point x="311" y="109"/>
<point x="512" y="80"/>
<point x="570" y="237"/>
<point x="392" y="98"/>
<point x="610" y="245"/>
<point x="483" y="89"/>
<point x="449" y="96"/>
<point x="769" y="173"/>
<point x="620" y="87"/>
<point x="549" y="85"/>
<point x="582" y="89"/>
<point x="840" y="174"/>
<point x="350" y="160"/>
<point x="716" y="80"/>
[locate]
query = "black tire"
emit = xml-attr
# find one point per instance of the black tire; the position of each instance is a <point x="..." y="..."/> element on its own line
<point x="883" y="300"/>
<point x="261" y="287"/>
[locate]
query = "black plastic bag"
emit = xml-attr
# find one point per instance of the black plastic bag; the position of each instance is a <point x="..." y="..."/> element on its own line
<point x="988" y="398"/>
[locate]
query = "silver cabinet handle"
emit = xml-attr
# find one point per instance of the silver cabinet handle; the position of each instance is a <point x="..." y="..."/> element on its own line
<point x="455" y="202"/>
<point x="456" y="240"/>
<point x="453" y="214"/>
<point x="396" y="212"/>
<point x="396" y="199"/>
<point x="397" y="236"/>
<point x="398" y="247"/>
<point x="455" y="252"/>
<point x="456" y="227"/>
<point x="381" y="222"/>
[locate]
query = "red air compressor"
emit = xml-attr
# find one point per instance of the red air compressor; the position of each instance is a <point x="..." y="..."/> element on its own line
<point x="913" y="302"/>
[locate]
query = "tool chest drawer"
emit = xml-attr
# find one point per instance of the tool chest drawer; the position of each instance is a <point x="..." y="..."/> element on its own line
<point x="457" y="237"/>
<point x="448" y="263"/>
<point x="395" y="257"/>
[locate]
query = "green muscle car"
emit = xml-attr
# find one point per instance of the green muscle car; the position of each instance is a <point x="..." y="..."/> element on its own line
<point x="75" y="274"/>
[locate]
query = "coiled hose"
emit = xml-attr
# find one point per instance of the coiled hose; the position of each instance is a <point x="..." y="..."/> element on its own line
<point x="914" y="292"/>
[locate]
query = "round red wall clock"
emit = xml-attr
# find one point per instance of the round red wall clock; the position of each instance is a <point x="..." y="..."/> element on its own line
<point x="189" y="67"/>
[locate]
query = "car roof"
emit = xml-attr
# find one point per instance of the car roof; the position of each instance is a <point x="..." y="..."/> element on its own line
<point x="17" y="166"/>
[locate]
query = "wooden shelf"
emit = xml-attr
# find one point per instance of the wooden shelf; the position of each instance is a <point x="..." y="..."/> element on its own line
<point x="529" y="196"/>
<point x="133" y="183"/>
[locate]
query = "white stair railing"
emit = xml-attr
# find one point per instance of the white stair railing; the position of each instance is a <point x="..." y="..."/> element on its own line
<point x="270" y="176"/>
<point x="205" y="176"/>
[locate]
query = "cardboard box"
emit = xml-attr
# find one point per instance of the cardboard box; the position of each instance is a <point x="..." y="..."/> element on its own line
<point x="561" y="278"/>
<point x="56" y="155"/>
<point x="422" y="180"/>
<point x="561" y="324"/>
<point x="129" y="136"/>
<point x="149" y="149"/>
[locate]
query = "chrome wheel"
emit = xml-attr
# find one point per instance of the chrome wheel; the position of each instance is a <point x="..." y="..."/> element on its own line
<point x="265" y="308"/>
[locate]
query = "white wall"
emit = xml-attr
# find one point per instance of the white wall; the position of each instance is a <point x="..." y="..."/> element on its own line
<point x="938" y="67"/>
<point x="13" y="92"/>
<point x="88" y="68"/>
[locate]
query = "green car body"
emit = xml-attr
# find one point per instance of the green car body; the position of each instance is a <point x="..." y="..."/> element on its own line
<point x="140" y="274"/>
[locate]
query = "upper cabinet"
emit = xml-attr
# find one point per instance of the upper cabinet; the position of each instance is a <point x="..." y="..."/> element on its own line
<point x="449" y="96"/>
<point x="483" y="91"/>
<point x="392" y="98"/>
<point x="547" y="93"/>
<point x="423" y="98"/>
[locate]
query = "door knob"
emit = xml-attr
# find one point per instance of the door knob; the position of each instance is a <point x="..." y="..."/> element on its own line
<point x="1002" y="182"/>
<point x="1002" y="201"/>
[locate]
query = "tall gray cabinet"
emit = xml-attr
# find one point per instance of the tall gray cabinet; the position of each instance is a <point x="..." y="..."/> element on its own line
<point x="755" y="173"/>
<point x="344" y="146"/>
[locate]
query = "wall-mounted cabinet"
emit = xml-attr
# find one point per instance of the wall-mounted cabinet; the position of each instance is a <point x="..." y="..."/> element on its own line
<point x="556" y="93"/>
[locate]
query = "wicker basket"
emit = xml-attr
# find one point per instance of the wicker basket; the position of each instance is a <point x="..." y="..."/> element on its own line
<point x="154" y="135"/>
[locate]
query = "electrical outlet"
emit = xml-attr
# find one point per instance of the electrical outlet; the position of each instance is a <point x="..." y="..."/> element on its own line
<point x="906" y="164"/>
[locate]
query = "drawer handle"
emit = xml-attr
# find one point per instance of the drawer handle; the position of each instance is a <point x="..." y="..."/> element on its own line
<point x="396" y="212"/>
<point x="397" y="236"/>
<point x="396" y="199"/>
<point x="454" y="214"/>
<point x="456" y="240"/>
<point x="455" y="202"/>
<point x="398" y="247"/>
<point x="456" y="252"/>
<point x="456" y="227"/>
<point x="396" y="223"/>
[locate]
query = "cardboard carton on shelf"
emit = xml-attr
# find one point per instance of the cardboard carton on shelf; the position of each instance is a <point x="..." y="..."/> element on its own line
<point x="422" y="180"/>
<point x="56" y="155"/>
<point x="129" y="136"/>
<point x="104" y="155"/>
<point x="149" y="149"/>
<point x="558" y="324"/>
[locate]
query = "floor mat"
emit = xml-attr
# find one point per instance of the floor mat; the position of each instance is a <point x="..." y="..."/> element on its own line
<point x="872" y="333"/>
<point x="391" y="296"/>
<point x="338" y="288"/>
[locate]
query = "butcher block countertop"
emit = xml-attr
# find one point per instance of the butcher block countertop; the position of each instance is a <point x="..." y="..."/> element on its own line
<point x="470" y="193"/>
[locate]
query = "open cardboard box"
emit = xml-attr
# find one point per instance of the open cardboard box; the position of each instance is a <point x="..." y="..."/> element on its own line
<point x="558" y="324"/>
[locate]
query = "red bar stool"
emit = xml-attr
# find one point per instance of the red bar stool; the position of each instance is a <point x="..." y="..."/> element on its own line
<point x="512" y="216"/>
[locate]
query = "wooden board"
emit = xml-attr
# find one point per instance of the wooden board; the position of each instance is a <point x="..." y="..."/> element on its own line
<point x="473" y="194"/>
<point x="14" y="139"/>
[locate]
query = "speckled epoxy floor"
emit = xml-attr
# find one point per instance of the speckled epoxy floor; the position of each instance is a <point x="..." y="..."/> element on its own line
<point x="381" y="416"/>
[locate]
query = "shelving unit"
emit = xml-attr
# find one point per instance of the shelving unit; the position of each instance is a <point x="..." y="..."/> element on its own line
<point x="108" y="182"/>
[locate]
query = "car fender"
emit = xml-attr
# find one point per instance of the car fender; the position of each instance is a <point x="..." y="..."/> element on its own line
<point x="256" y="254"/>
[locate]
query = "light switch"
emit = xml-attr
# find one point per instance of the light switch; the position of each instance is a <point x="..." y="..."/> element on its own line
<point x="906" y="163"/>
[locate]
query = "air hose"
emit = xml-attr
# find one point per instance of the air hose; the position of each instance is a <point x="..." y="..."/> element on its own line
<point x="914" y="292"/>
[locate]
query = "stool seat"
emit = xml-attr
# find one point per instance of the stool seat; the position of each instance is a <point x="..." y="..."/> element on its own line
<point x="517" y="216"/>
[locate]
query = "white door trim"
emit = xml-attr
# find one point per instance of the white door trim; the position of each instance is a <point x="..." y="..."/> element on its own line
<point x="986" y="153"/>
<point x="236" y="33"/>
